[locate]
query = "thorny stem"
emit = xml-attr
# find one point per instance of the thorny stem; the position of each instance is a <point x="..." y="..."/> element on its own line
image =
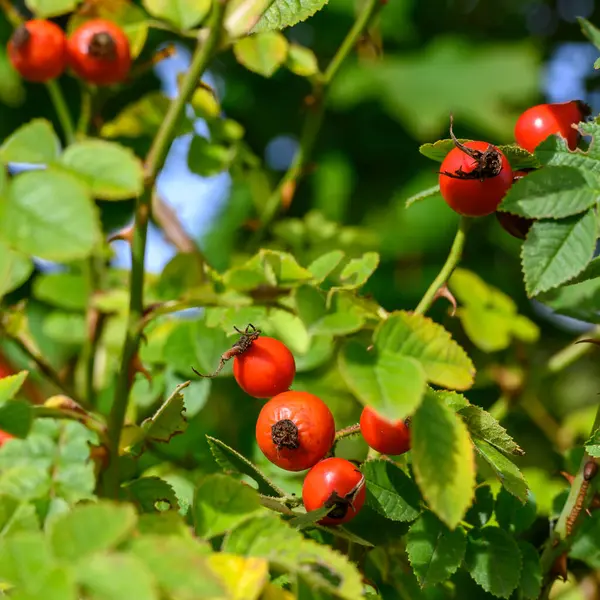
<point x="451" y="262"/>
<point x="340" y="434"/>
<point x="62" y="111"/>
<point x="312" y="125"/>
<point x="573" y="352"/>
<point x="154" y="162"/>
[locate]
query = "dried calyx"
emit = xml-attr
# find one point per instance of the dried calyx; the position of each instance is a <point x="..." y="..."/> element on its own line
<point x="102" y="45"/>
<point x="285" y="435"/>
<point x="488" y="163"/>
<point x="20" y="36"/>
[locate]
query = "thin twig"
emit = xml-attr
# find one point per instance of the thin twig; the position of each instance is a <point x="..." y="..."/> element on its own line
<point x="62" y="110"/>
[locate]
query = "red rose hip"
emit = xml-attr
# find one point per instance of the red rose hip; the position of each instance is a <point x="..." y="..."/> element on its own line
<point x="295" y="430"/>
<point x="382" y="435"/>
<point x="337" y="483"/>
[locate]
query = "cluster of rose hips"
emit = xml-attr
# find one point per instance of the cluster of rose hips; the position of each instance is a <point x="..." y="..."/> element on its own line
<point x="296" y="431"/>
<point x="97" y="51"/>
<point x="475" y="176"/>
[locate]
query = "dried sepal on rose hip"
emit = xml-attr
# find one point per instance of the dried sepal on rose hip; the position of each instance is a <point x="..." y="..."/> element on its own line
<point x="38" y="50"/>
<point x="335" y="483"/>
<point x="474" y="177"/>
<point x="295" y="430"/>
<point x="387" y="437"/>
<point x="263" y="367"/>
<point x="543" y="120"/>
<point x="99" y="52"/>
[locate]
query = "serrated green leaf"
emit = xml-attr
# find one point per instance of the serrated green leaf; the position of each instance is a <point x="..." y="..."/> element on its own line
<point x="437" y="151"/>
<point x="390" y="491"/>
<point x="147" y="492"/>
<point x="556" y="251"/>
<point x="15" y="269"/>
<point x="91" y="528"/>
<point x="374" y="528"/>
<point x="285" y="13"/>
<point x="531" y="572"/>
<point x="442" y="458"/>
<point x="493" y="560"/>
<point x="428" y="193"/>
<point x="116" y="576"/>
<point x="49" y="214"/>
<point x="434" y="551"/>
<point x="592" y="271"/>
<point x="207" y="158"/>
<point x="182" y="14"/>
<point x="324" y="265"/>
<point x="512" y="515"/>
<point x="180" y="566"/>
<point x="592" y="446"/>
<point x="554" y="151"/>
<point x="10" y="385"/>
<point x="262" y="53"/>
<point x="310" y="518"/>
<point x="411" y="335"/>
<point x="231" y="461"/>
<point x="244" y="578"/>
<point x="552" y="193"/>
<point x="112" y="171"/>
<point x="51" y="8"/>
<point x="358" y="271"/>
<point x="302" y="61"/>
<point x="506" y="471"/>
<point x="389" y="382"/>
<point x="35" y="143"/>
<point x="222" y="503"/>
<point x="16" y="417"/>
<point x="482" y="509"/>
<point x="66" y="290"/>
<point x="482" y="425"/>
<point x="286" y="549"/>
<point x="169" y="419"/>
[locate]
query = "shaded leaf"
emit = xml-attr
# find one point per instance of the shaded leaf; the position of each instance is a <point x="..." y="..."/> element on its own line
<point x="15" y="269"/>
<point x="531" y="572"/>
<point x="16" y="417"/>
<point x="262" y="53"/>
<point x="35" y="143"/>
<point x="11" y="384"/>
<point x="512" y="515"/>
<point x="149" y="492"/>
<point x="169" y="419"/>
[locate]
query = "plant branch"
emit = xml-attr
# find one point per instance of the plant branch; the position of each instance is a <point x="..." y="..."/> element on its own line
<point x="205" y="48"/>
<point x="62" y="111"/>
<point x="340" y="434"/>
<point x="85" y="114"/>
<point x="449" y="266"/>
<point x="284" y="192"/>
<point x="573" y="352"/>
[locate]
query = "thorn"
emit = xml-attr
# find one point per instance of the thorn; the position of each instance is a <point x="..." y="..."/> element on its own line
<point x="287" y="193"/>
<point x="568" y="477"/>
<point x="125" y="234"/>
<point x="588" y="512"/>
<point x="589" y="341"/>
<point x="64" y="403"/>
<point x="444" y="292"/>
<point x="559" y="568"/>
<point x="137" y="367"/>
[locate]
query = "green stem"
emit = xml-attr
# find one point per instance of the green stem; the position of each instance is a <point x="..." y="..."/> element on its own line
<point x="314" y="120"/>
<point x="573" y="352"/>
<point x="85" y="114"/>
<point x="340" y="434"/>
<point x="449" y="266"/>
<point x="62" y="111"/>
<point x="154" y="162"/>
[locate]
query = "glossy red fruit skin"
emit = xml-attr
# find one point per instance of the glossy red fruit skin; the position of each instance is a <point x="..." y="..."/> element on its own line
<point x="4" y="437"/>
<point x="266" y="369"/>
<point x="40" y="53"/>
<point x="314" y="422"/>
<point x="99" y="69"/>
<point x="473" y="197"/>
<point x="543" y="120"/>
<point x="382" y="435"/>
<point x="333" y="475"/>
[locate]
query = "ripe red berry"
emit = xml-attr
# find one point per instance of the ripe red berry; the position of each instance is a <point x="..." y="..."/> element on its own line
<point x="295" y="430"/>
<point x="38" y="50"/>
<point x="474" y="177"/>
<point x="382" y="435"/>
<point x="543" y="120"/>
<point x="4" y="437"/>
<point x="265" y="369"/>
<point x="338" y="483"/>
<point x="516" y="225"/>
<point x="99" y="52"/>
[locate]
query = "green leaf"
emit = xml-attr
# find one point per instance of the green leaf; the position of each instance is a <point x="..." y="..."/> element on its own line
<point x="222" y="503"/>
<point x="262" y="53"/>
<point x="493" y="560"/>
<point x="66" y="290"/>
<point x="374" y="528"/>
<point x="16" y="417"/>
<point x="390" y="491"/>
<point x="552" y="193"/>
<point x="51" y="8"/>
<point x="443" y="462"/>
<point x="324" y="265"/>
<point x="310" y="518"/>
<point x="169" y="419"/>
<point x="302" y="61"/>
<point x="49" y="214"/>
<point x="556" y="251"/>
<point x="530" y="585"/>
<point x="416" y="336"/>
<point x="149" y="492"/>
<point x="506" y="471"/>
<point x="585" y="542"/>
<point x="112" y="171"/>
<point x="15" y="269"/>
<point x="286" y="549"/>
<point x="207" y="158"/>
<point x="590" y="31"/>
<point x="592" y="271"/>
<point x="233" y="462"/>
<point x="10" y="385"/>
<point x="554" y="151"/>
<point x="35" y="143"/>
<point x="437" y="151"/>
<point x="512" y="515"/>
<point x="17" y="516"/>
<point x="428" y="193"/>
<point x="482" y="425"/>
<point x="182" y="14"/>
<point x="592" y="446"/>
<point x="91" y="528"/>
<point x="12" y="90"/>
<point x="285" y="13"/>
<point x="179" y="565"/>
<point x="482" y="509"/>
<point x="358" y="271"/>
<point x="116" y="577"/>
<point x="389" y="382"/>
<point x="434" y="551"/>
